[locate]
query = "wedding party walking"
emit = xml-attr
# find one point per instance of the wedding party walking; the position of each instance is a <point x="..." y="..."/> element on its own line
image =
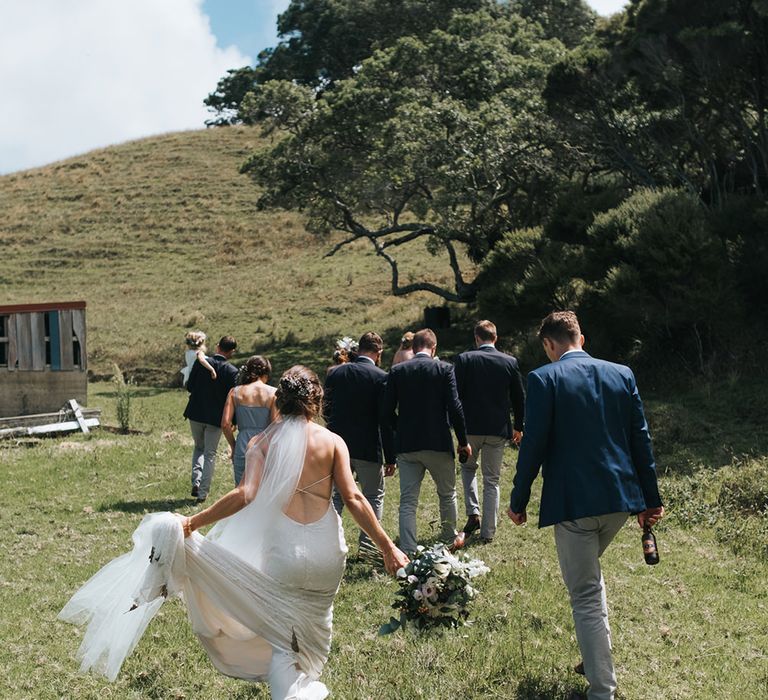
<point x="416" y="262"/>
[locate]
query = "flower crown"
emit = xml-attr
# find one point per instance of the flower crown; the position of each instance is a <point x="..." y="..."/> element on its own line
<point x="296" y="384"/>
<point x="346" y="343"/>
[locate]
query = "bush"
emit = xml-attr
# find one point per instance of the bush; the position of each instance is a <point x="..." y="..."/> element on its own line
<point x="663" y="282"/>
<point x="745" y="493"/>
<point x="525" y="276"/>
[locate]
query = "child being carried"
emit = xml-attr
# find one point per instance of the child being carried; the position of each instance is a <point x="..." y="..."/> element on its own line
<point x="195" y="341"/>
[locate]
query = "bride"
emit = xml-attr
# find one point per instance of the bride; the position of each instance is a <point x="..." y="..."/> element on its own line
<point x="259" y="587"/>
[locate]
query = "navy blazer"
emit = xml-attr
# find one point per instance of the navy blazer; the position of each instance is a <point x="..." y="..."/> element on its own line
<point x="354" y="392"/>
<point x="421" y="404"/>
<point x="207" y="396"/>
<point x="585" y="424"/>
<point x="490" y="386"/>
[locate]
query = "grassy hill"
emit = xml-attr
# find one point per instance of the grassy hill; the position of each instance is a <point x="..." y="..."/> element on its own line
<point x="162" y="235"/>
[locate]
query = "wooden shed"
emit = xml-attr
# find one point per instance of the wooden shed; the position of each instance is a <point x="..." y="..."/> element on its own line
<point x="42" y="357"/>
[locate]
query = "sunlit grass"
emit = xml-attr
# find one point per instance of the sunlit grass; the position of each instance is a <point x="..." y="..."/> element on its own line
<point x="695" y="626"/>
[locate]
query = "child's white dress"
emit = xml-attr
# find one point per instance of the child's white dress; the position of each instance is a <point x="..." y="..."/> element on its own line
<point x="190" y="356"/>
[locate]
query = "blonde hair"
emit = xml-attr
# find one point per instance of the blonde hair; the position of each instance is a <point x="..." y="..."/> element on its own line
<point x="195" y="339"/>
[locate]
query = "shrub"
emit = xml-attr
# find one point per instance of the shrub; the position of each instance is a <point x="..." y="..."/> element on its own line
<point x="123" y="392"/>
<point x="663" y="283"/>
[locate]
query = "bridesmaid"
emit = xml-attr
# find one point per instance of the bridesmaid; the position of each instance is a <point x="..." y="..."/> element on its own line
<point x="250" y="407"/>
<point x="405" y="351"/>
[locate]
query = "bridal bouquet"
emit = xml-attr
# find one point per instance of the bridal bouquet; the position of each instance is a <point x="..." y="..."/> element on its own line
<point x="434" y="590"/>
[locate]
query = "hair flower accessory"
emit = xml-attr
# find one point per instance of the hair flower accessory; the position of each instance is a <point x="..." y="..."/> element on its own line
<point x="296" y="384"/>
<point x="346" y="343"/>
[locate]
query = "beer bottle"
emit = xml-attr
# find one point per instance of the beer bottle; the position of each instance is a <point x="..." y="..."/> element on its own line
<point x="650" y="550"/>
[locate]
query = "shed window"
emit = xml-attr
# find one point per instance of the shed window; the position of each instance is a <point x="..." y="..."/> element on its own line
<point x="62" y="347"/>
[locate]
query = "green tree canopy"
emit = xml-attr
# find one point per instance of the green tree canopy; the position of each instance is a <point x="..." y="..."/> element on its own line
<point x="672" y="93"/>
<point x="322" y="41"/>
<point x="443" y="137"/>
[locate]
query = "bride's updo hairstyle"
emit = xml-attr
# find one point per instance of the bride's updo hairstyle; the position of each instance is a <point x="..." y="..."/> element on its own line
<point x="299" y="393"/>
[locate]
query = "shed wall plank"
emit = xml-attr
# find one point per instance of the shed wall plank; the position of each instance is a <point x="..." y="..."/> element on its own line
<point x="24" y="340"/>
<point x="65" y="323"/>
<point x="37" y="328"/>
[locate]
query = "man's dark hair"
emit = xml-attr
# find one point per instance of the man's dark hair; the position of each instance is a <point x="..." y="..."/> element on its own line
<point x="425" y="339"/>
<point x="560" y="327"/>
<point x="485" y="331"/>
<point x="370" y="342"/>
<point x="227" y="343"/>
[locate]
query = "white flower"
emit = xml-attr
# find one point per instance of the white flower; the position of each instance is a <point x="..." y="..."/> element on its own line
<point x="346" y="343"/>
<point x="442" y="569"/>
<point x="401" y="573"/>
<point x="417" y="594"/>
<point x="411" y="578"/>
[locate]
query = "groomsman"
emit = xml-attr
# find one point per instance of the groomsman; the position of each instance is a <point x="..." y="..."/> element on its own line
<point x="585" y="424"/>
<point x="490" y="386"/>
<point x="353" y="398"/>
<point x="204" y="409"/>
<point x="421" y="404"/>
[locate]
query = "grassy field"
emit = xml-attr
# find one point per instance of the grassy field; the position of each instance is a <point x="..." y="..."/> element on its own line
<point x="695" y="626"/>
<point x="162" y="235"/>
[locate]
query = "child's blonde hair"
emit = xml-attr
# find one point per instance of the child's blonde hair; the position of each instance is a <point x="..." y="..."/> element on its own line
<point x="195" y="339"/>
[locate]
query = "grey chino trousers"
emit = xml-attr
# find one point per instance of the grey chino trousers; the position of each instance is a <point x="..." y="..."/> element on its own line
<point x="370" y="476"/>
<point x="442" y="468"/>
<point x="491" y="447"/>
<point x="580" y="543"/>
<point x="206" y="438"/>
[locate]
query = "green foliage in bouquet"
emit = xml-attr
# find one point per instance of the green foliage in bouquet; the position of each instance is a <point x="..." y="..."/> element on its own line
<point x="435" y="590"/>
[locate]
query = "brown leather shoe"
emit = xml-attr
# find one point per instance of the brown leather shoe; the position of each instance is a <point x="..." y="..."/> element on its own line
<point x="473" y="523"/>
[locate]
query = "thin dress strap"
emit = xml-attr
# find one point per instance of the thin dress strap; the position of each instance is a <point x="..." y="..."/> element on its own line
<point x="305" y="489"/>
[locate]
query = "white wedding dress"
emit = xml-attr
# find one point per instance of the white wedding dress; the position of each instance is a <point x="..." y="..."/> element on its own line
<point x="259" y="588"/>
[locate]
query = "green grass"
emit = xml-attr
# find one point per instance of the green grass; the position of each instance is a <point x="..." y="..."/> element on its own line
<point x="695" y="626"/>
<point x="162" y="235"/>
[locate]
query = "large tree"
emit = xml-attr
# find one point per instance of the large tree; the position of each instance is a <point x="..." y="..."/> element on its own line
<point x="673" y="92"/>
<point x="322" y="41"/>
<point x="442" y="137"/>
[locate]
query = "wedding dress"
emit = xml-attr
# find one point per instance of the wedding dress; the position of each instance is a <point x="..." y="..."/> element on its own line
<point x="259" y="588"/>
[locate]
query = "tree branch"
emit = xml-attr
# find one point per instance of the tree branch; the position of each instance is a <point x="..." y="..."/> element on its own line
<point x="464" y="292"/>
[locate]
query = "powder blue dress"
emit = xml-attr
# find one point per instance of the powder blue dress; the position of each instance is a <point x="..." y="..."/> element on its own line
<point x="251" y="420"/>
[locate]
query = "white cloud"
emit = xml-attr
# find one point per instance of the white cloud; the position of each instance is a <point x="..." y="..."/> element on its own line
<point x="608" y="7"/>
<point x="83" y="74"/>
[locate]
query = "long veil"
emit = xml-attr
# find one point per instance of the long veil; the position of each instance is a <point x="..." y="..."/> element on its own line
<point x="239" y="612"/>
<point x="273" y="466"/>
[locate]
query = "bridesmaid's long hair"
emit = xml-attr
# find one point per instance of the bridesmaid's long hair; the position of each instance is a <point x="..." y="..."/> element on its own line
<point x="254" y="368"/>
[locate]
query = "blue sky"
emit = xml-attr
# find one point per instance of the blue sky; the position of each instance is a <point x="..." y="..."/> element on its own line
<point x="248" y="24"/>
<point x="101" y="72"/>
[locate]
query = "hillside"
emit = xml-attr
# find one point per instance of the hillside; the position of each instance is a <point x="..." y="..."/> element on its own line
<point x="161" y="235"/>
